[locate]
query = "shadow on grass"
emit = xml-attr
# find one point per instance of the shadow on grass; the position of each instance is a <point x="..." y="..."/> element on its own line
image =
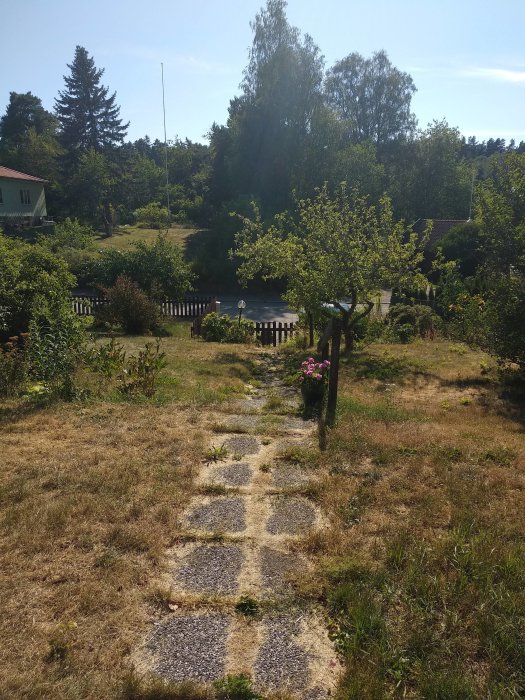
<point x="19" y="411"/>
<point x="385" y="368"/>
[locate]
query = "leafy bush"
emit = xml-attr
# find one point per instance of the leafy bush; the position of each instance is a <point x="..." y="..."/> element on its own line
<point x="106" y="359"/>
<point x="56" y="339"/>
<point x="13" y="366"/>
<point x="70" y="234"/>
<point x="407" y="321"/>
<point x="152" y="215"/>
<point x="223" y="329"/>
<point x="129" y="307"/>
<point x="30" y="276"/>
<point x="157" y="268"/>
<point x="140" y="373"/>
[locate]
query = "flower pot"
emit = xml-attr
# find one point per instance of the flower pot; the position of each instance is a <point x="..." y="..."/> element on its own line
<point x="312" y="393"/>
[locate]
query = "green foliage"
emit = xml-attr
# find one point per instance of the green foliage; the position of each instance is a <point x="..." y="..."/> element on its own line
<point x="89" y="119"/>
<point x="157" y="268"/>
<point x="501" y="210"/>
<point x="106" y="359"/>
<point x="13" y="366"/>
<point x="29" y="276"/>
<point x="408" y="321"/>
<point x="129" y="307"/>
<point x="329" y="249"/>
<point x="247" y="606"/>
<point x="223" y="329"/>
<point x="269" y="123"/>
<point x="236" y="688"/>
<point x="372" y="97"/>
<point x="140" y="372"/>
<point x="152" y="215"/>
<point x="462" y="243"/>
<point x="56" y="339"/>
<point x="62" y="642"/>
<point x="70" y="234"/>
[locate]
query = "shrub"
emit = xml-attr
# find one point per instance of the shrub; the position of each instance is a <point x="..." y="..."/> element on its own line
<point x="158" y="268"/>
<point x="56" y="339"/>
<point x="30" y="276"/>
<point x="129" y="307"/>
<point x="152" y="215"/>
<point x="13" y="366"/>
<point x="407" y="321"/>
<point x="70" y="234"/>
<point x="140" y="373"/>
<point x="223" y="329"/>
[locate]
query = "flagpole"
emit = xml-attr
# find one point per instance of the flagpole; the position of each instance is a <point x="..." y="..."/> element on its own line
<point x="165" y="144"/>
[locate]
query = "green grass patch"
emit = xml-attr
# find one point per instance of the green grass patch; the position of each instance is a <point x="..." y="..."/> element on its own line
<point x="382" y="411"/>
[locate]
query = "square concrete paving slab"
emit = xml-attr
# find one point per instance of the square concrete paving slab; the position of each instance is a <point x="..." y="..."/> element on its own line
<point x="287" y="475"/>
<point x="277" y="568"/>
<point x="236" y="474"/>
<point x="281" y="662"/>
<point x="242" y="445"/>
<point x="190" y="647"/>
<point x="211" y="568"/>
<point x="218" y="515"/>
<point x="290" y="516"/>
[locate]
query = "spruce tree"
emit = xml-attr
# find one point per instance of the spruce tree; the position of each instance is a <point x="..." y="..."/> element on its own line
<point x="88" y="118"/>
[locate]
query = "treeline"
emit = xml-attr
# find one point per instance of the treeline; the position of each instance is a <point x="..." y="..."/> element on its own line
<point x="295" y="125"/>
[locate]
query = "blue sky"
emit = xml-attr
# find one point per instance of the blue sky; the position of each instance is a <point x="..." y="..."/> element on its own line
<point x="467" y="57"/>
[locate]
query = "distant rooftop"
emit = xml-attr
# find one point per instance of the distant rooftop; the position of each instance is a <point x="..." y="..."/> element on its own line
<point x="16" y="175"/>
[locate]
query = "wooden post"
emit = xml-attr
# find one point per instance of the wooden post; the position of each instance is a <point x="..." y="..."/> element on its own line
<point x="331" y="404"/>
<point x="311" y="330"/>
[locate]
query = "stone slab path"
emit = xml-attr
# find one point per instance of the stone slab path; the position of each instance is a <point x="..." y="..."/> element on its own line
<point x="237" y="546"/>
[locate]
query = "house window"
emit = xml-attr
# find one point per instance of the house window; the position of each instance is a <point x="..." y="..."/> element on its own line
<point x="25" y="197"/>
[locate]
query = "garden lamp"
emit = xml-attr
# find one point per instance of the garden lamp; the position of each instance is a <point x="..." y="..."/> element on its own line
<point x="241" y="305"/>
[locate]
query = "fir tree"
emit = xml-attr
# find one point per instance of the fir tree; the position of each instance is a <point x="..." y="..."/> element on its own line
<point x="89" y="119"/>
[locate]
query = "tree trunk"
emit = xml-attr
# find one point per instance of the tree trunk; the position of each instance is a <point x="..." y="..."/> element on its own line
<point x="333" y="383"/>
<point x="108" y="219"/>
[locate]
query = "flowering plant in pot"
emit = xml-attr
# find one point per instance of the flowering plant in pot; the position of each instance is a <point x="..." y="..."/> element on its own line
<point x="313" y="377"/>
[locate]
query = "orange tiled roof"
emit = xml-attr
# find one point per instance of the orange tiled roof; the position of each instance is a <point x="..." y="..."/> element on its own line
<point x="16" y="175"/>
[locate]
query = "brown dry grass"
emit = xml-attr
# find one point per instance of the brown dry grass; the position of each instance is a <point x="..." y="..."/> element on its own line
<point x="423" y="568"/>
<point x="90" y="495"/>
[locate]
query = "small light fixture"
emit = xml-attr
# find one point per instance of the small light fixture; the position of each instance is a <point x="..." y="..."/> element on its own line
<point x="241" y="304"/>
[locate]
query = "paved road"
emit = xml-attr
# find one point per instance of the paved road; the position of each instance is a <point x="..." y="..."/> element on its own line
<point x="273" y="308"/>
<point x="258" y="309"/>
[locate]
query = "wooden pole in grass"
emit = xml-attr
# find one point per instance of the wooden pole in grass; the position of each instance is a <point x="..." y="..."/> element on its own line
<point x="333" y="382"/>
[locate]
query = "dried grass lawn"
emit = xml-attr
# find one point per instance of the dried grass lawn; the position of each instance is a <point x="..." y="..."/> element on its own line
<point x="423" y="569"/>
<point x="90" y="493"/>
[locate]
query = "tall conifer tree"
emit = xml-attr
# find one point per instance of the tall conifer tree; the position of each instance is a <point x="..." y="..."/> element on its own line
<point x="89" y="119"/>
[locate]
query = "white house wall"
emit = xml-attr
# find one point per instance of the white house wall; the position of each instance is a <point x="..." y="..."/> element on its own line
<point x="12" y="206"/>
